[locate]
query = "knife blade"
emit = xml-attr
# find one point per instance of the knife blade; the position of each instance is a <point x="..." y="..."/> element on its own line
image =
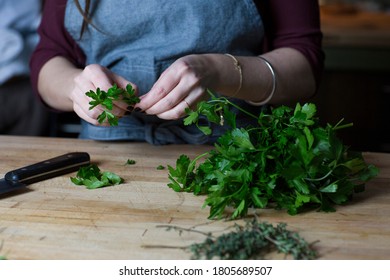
<point x="21" y="177"/>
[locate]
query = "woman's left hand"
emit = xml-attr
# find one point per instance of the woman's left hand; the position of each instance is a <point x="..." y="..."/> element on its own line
<point x="180" y="86"/>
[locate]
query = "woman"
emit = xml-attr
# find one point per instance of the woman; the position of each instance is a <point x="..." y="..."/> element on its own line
<point x="172" y="51"/>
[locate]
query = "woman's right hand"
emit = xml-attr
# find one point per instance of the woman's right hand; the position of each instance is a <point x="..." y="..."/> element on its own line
<point x="92" y="77"/>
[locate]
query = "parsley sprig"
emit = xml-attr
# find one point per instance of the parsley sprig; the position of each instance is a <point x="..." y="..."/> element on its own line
<point x="288" y="161"/>
<point x="106" y="100"/>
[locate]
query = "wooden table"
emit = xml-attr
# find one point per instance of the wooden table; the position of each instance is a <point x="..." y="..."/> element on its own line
<point x="56" y="219"/>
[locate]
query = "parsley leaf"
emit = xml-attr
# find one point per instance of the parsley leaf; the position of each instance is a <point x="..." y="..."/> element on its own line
<point x="130" y="162"/>
<point x="106" y="100"/>
<point x="91" y="177"/>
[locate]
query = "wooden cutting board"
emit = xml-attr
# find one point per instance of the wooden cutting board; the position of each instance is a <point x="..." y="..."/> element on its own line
<point x="55" y="219"/>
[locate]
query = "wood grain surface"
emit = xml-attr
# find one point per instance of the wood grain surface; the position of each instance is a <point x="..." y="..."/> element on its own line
<point x="56" y="219"/>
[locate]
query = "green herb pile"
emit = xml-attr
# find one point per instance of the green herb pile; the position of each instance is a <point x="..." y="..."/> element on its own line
<point x="254" y="240"/>
<point x="106" y="100"/>
<point x="91" y="177"/>
<point x="286" y="162"/>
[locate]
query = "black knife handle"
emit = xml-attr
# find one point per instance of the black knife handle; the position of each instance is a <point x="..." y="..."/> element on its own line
<point x="49" y="168"/>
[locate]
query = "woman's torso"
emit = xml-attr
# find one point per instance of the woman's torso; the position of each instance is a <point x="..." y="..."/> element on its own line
<point x="141" y="41"/>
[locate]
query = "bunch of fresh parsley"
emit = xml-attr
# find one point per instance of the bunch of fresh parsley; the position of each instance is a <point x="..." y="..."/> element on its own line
<point x="288" y="161"/>
<point x="106" y="100"/>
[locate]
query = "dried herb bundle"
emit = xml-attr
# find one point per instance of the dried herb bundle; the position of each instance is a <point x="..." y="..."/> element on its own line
<point x="254" y="240"/>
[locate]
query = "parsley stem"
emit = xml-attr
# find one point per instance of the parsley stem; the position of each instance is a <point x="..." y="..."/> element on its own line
<point x="237" y="107"/>
<point x="191" y="166"/>
<point x="200" y="156"/>
<point x="320" y="179"/>
<point x="180" y="229"/>
<point x="338" y="126"/>
<point x="242" y="110"/>
<point x="227" y="101"/>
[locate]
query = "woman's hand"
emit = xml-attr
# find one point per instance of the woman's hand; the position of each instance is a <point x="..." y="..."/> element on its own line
<point x="180" y="86"/>
<point x="92" y="77"/>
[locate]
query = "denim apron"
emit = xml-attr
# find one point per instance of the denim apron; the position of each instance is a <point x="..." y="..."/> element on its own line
<point x="141" y="40"/>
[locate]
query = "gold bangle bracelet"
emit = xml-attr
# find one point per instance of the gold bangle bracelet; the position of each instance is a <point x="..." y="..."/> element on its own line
<point x="239" y="69"/>
<point x="265" y="101"/>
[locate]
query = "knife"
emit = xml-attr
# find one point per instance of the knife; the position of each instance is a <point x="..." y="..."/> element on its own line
<point x="20" y="178"/>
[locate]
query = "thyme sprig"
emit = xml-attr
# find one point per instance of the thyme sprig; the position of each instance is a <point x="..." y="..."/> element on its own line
<point x="254" y="240"/>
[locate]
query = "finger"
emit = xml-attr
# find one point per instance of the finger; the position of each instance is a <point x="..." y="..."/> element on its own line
<point x="163" y="86"/>
<point x="85" y="84"/>
<point x="122" y="82"/>
<point x="121" y="107"/>
<point x="188" y="89"/>
<point x="79" y="97"/>
<point x="170" y="99"/>
<point x="89" y="118"/>
<point x="190" y="102"/>
<point x="98" y="75"/>
<point x="177" y="112"/>
<point x="81" y="103"/>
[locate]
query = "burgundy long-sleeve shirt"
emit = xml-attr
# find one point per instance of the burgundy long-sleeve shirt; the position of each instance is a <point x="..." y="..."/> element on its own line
<point x="294" y="24"/>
